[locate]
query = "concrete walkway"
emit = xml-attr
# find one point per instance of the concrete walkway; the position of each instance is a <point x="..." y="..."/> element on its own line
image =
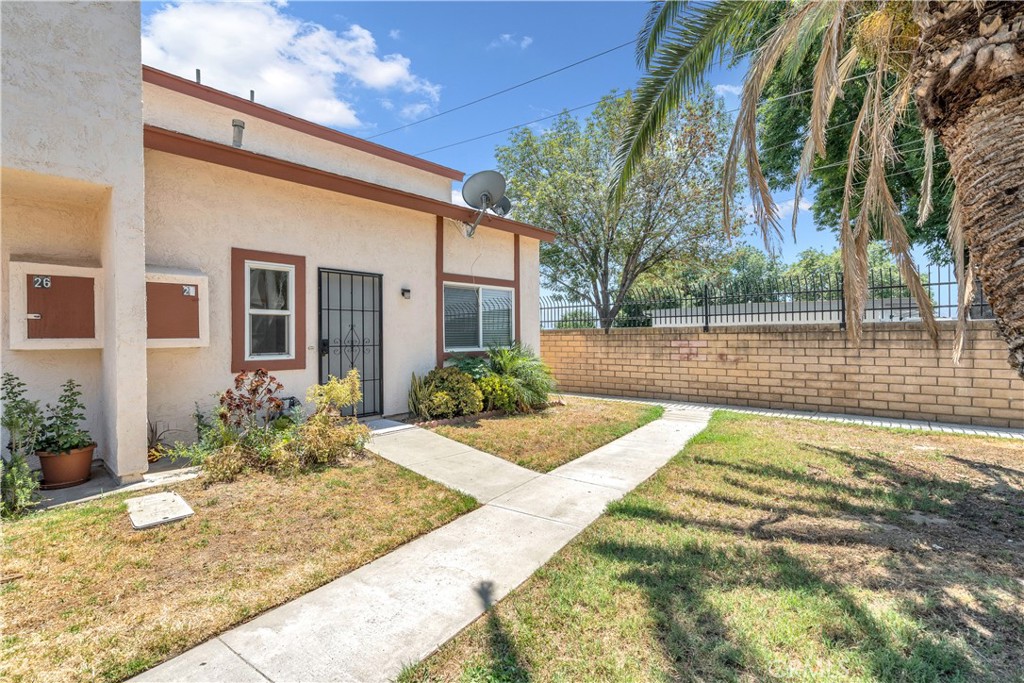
<point x="369" y="624"/>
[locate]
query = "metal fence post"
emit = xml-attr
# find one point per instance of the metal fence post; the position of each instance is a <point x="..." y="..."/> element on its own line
<point x="707" y="307"/>
<point x="842" y="302"/>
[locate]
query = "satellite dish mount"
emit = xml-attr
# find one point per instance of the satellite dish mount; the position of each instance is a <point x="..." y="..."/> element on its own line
<point x="485" y="191"/>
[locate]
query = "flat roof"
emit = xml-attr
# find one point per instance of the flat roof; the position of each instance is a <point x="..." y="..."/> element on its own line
<point x="240" y="104"/>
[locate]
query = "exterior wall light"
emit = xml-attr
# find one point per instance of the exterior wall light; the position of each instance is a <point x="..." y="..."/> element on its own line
<point x="406" y="293"/>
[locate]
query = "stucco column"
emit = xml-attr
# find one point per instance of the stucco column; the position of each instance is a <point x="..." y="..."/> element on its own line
<point x="124" y="332"/>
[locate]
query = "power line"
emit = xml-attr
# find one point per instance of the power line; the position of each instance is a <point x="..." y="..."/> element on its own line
<point x="505" y="90"/>
<point x="584" y="106"/>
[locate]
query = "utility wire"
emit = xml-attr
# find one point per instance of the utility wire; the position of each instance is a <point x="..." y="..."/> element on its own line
<point x="505" y="90"/>
<point x="584" y="106"/>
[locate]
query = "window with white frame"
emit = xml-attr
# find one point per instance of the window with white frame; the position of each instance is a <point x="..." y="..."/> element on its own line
<point x="477" y="317"/>
<point x="270" y="311"/>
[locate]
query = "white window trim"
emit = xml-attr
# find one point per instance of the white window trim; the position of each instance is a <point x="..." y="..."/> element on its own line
<point x="480" y="317"/>
<point x="249" y="311"/>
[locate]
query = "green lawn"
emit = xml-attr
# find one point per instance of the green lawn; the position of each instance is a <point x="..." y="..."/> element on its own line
<point x="547" y="438"/>
<point x="777" y="549"/>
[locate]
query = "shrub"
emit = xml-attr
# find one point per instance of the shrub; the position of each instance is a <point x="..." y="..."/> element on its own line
<point x="445" y="392"/>
<point x="476" y="367"/>
<point x="19" y="485"/>
<point x="253" y="401"/>
<point x="526" y="375"/>
<point x="498" y="393"/>
<point x="250" y="436"/>
<point x="576" y="320"/>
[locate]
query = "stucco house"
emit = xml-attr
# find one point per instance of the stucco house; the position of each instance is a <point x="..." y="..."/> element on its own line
<point x="159" y="236"/>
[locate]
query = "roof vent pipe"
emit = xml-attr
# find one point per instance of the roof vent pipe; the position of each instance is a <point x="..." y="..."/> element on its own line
<point x="239" y="126"/>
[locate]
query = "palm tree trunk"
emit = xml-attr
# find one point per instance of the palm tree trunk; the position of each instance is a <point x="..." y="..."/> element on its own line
<point x="970" y="90"/>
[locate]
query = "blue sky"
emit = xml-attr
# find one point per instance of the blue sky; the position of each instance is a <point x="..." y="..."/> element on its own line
<point x="369" y="67"/>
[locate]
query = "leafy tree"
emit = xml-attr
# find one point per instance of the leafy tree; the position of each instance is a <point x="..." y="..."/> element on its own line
<point x="954" y="67"/>
<point x="672" y="211"/>
<point x="576" y="320"/>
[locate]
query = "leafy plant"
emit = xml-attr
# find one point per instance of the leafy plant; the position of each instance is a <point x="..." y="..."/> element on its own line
<point x="447" y="392"/>
<point x="527" y="376"/>
<point x="476" y="367"/>
<point x="336" y="394"/>
<point x="419" y="394"/>
<point x="21" y="417"/>
<point x="19" y="485"/>
<point x="62" y="431"/>
<point x="498" y="393"/>
<point x="253" y="401"/>
<point x="155" y="447"/>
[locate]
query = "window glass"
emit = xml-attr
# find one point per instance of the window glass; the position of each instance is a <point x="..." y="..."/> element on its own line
<point x="496" y="312"/>
<point x="269" y="335"/>
<point x="268" y="289"/>
<point x="461" y="318"/>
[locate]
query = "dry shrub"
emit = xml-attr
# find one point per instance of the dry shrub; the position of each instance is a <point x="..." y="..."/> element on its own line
<point x="225" y="464"/>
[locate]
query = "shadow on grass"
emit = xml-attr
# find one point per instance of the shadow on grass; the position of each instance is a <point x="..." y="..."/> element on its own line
<point x="505" y="664"/>
<point x="686" y="578"/>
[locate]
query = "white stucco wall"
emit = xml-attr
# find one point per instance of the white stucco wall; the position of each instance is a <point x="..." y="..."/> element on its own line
<point x="196" y="213"/>
<point x="72" y="109"/>
<point x="184" y="114"/>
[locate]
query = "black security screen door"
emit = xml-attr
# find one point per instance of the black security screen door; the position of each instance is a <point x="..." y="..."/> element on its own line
<point x="350" y="333"/>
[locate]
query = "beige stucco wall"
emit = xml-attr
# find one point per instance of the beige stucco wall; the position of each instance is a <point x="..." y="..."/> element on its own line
<point x="529" y="293"/>
<point x="39" y="230"/>
<point x="178" y="112"/>
<point x="196" y="212"/>
<point x="488" y="254"/>
<point x="72" y="110"/>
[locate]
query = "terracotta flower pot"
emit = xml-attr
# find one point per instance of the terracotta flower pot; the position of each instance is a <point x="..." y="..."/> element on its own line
<point x="66" y="469"/>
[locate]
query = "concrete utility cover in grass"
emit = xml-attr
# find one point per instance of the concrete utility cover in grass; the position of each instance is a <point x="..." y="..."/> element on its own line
<point x="156" y="509"/>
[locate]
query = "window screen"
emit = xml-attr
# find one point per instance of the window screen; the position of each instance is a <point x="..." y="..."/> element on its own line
<point x="496" y="311"/>
<point x="461" y="318"/>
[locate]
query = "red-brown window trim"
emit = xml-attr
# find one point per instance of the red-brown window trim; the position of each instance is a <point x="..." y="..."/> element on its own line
<point x="238" y="311"/>
<point x="442" y="278"/>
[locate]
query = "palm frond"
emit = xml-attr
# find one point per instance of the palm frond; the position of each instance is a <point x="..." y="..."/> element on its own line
<point x="964" y="275"/>
<point x="659" y="20"/>
<point x="853" y="237"/>
<point x="676" y="71"/>
<point x="924" y="209"/>
<point x="744" y="137"/>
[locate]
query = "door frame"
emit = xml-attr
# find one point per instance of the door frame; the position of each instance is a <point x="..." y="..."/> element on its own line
<point x="380" y="326"/>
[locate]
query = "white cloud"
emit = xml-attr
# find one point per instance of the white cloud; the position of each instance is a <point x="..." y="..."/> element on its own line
<point x="385" y="103"/>
<point x="292" y="64"/>
<point x="395" y="34"/>
<point x="725" y="89"/>
<point x="458" y="200"/>
<point x="414" y="111"/>
<point x="511" y="40"/>
<point x="786" y="207"/>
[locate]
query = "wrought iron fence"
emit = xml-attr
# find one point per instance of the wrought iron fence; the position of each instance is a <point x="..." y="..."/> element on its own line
<point x="781" y="300"/>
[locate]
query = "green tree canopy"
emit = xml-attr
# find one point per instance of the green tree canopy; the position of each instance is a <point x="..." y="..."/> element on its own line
<point x="672" y="212"/>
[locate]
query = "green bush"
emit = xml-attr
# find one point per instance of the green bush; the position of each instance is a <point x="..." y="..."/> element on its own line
<point x="444" y="393"/>
<point x="526" y="375"/>
<point x="476" y="367"/>
<point x="499" y="394"/>
<point x="19" y="485"/>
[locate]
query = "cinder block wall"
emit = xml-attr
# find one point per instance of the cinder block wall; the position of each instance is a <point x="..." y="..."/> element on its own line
<point x="895" y="372"/>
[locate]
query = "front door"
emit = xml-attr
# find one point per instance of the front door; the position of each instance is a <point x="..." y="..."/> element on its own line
<point x="350" y="333"/>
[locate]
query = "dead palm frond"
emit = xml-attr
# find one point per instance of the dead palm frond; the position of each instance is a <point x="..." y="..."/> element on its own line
<point x="681" y="40"/>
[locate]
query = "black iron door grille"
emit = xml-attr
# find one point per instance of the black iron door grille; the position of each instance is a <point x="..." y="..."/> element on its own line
<point x="351" y="323"/>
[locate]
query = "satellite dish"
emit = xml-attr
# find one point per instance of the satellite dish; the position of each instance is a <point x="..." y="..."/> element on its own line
<point x="482" y="191"/>
<point x="503" y="207"/>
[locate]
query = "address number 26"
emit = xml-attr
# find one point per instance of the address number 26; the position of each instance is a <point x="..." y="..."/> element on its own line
<point x="41" y="281"/>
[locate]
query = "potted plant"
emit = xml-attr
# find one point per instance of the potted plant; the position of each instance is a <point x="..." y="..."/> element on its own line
<point x="65" y="449"/>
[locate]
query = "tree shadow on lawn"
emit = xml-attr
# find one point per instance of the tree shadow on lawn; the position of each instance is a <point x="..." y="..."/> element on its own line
<point x="505" y="663"/>
<point x="948" y="578"/>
